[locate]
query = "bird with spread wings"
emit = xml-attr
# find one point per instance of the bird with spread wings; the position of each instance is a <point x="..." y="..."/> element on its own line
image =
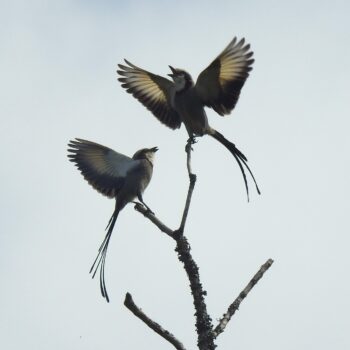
<point x="116" y="176"/>
<point x="183" y="101"/>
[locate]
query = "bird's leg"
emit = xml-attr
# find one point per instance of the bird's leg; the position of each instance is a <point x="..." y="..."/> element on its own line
<point x="139" y="196"/>
<point x="191" y="141"/>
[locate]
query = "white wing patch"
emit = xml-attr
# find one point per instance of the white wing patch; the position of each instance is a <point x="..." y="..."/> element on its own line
<point x="233" y="61"/>
<point x="153" y="91"/>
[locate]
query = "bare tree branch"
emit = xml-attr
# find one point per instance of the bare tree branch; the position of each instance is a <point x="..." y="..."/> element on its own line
<point x="235" y="305"/>
<point x="204" y="325"/>
<point x="188" y="150"/>
<point x="193" y="179"/>
<point x="203" y="321"/>
<point x="181" y="229"/>
<point x="149" y="215"/>
<point x="129" y="303"/>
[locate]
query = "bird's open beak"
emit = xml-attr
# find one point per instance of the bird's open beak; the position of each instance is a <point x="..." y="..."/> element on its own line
<point x="173" y="70"/>
<point x="154" y="149"/>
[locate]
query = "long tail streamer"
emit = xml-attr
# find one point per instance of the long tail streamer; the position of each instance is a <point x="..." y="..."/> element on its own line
<point x="100" y="260"/>
<point x="240" y="158"/>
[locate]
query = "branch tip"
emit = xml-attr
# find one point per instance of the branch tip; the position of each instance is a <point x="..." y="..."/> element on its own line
<point x="242" y="295"/>
<point x="130" y="304"/>
<point x="128" y="299"/>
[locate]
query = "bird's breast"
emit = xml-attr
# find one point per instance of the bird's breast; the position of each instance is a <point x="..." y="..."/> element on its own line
<point x="136" y="181"/>
<point x="140" y="176"/>
<point x="191" y="111"/>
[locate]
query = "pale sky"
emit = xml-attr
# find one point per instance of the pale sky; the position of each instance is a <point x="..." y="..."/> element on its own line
<point x="58" y="81"/>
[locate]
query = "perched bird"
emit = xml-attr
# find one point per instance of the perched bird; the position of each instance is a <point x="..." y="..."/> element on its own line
<point x="115" y="176"/>
<point x="181" y="101"/>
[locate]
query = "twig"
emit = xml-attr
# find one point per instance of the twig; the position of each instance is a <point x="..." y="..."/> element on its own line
<point x="188" y="150"/>
<point x="235" y="305"/>
<point x="129" y="303"/>
<point x="193" y="179"/>
<point x="149" y="215"/>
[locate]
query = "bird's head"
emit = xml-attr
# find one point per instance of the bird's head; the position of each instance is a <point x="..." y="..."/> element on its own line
<point x="181" y="78"/>
<point x="145" y="153"/>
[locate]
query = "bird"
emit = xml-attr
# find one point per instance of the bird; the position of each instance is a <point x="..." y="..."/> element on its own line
<point x="183" y="101"/>
<point x="115" y="176"/>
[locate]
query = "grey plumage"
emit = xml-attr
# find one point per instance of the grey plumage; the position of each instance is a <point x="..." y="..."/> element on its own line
<point x="115" y="176"/>
<point x="183" y="101"/>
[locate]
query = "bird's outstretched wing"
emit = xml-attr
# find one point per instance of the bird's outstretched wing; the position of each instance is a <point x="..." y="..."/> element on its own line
<point x="220" y="84"/>
<point x="103" y="168"/>
<point x="153" y="91"/>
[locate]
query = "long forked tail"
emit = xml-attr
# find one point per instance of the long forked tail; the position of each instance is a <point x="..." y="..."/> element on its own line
<point x="239" y="156"/>
<point x="100" y="260"/>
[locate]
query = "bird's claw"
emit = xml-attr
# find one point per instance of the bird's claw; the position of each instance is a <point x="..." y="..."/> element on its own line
<point x="191" y="141"/>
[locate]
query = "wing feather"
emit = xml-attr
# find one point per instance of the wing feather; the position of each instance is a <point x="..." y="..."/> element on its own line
<point x="153" y="91"/>
<point x="220" y="84"/>
<point x="103" y="168"/>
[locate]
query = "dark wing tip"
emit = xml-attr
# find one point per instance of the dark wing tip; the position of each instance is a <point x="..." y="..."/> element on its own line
<point x="233" y="41"/>
<point x="129" y="63"/>
<point x="241" y="42"/>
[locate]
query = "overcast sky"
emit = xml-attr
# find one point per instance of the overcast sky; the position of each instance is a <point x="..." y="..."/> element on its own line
<point x="57" y="66"/>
